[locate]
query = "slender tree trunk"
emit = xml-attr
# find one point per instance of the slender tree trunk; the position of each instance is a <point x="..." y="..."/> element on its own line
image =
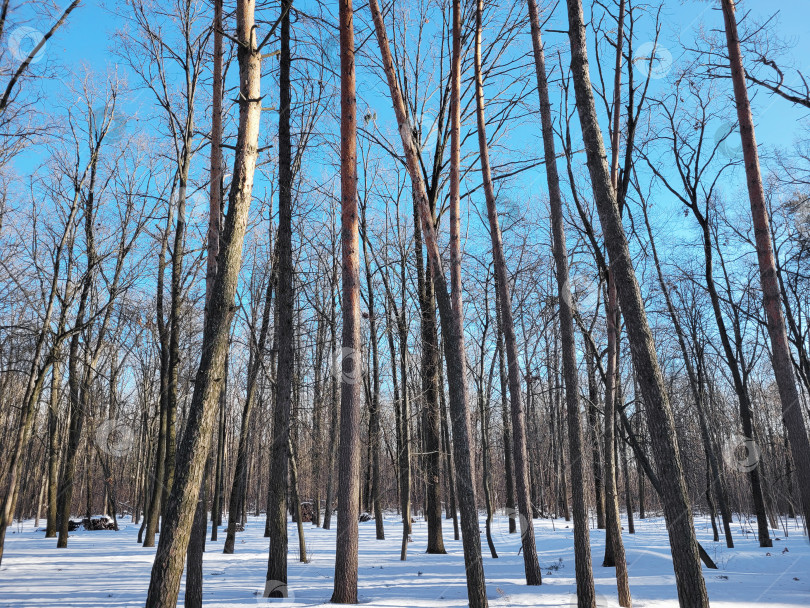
<point x="152" y="517"/>
<point x="677" y="510"/>
<point x="53" y="448"/>
<point x="374" y="406"/>
<point x="582" y="550"/>
<point x="483" y="414"/>
<point x="449" y="468"/>
<point x="595" y="437"/>
<point x="334" y="418"/>
<point x="276" y="581"/>
<point x="345" y="583"/>
<point x="628" y="496"/>
<point x="452" y="339"/>
<point x="782" y="362"/>
<point x="507" y="422"/>
<point x="239" y="487"/>
<point x="77" y="386"/>
<point x="456" y="296"/>
<point x="531" y="565"/>
<point x="296" y="498"/>
<point x="718" y="484"/>
<point x="168" y="565"/>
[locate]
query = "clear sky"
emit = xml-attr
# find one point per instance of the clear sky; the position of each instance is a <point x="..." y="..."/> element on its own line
<point x="88" y="38"/>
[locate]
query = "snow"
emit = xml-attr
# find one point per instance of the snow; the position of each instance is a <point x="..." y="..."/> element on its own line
<point x="106" y="568"/>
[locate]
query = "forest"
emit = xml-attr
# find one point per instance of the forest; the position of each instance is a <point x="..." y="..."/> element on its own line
<point x="404" y="303"/>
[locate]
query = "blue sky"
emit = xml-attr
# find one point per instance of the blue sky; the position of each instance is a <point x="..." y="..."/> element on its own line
<point x="88" y="37"/>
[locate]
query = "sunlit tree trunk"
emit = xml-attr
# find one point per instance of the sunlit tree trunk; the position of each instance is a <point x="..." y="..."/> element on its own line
<point x="531" y="565"/>
<point x="182" y="501"/>
<point x="781" y="356"/>
<point x="582" y="550"/>
<point x="452" y="339"/>
<point x="677" y="509"/>
<point x="345" y="583"/>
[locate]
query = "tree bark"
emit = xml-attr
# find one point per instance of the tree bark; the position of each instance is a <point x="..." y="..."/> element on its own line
<point x="586" y="595"/>
<point x="782" y="362"/>
<point x="531" y="565"/>
<point x="168" y="565"/>
<point x="276" y="580"/>
<point x="345" y="584"/>
<point x="453" y="340"/>
<point x="53" y="448"/>
<point x="677" y="510"/>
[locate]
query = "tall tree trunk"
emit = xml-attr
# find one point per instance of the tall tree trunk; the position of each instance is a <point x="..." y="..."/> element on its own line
<point x="718" y="483"/>
<point x="507" y="422"/>
<point x="374" y="406"/>
<point x="53" y="448"/>
<point x="430" y="363"/>
<point x="628" y="496"/>
<point x="582" y="549"/>
<point x="77" y="381"/>
<point x="782" y="362"/>
<point x="531" y="565"/>
<point x="452" y="339"/>
<point x="276" y="581"/>
<point x="345" y="583"/>
<point x="595" y="437"/>
<point x="239" y="487"/>
<point x="334" y="411"/>
<point x="455" y="231"/>
<point x="196" y="546"/>
<point x="156" y="501"/>
<point x="448" y="456"/>
<point x="677" y="510"/>
<point x="168" y="565"/>
<point x="483" y="413"/>
<point x="296" y="499"/>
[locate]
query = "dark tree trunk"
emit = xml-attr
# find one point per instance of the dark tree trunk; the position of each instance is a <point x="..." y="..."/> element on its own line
<point x="677" y="510"/>
<point x="582" y="550"/>
<point x="695" y="383"/>
<point x="53" y="448"/>
<point x="452" y="338"/>
<point x="374" y="405"/>
<point x="531" y="565"/>
<point x="782" y="361"/>
<point x="276" y="581"/>
<point x="181" y="505"/>
<point x="595" y="437"/>
<point x="239" y="487"/>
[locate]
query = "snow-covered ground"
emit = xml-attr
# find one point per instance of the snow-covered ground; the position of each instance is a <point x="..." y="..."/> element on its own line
<point x="107" y="568"/>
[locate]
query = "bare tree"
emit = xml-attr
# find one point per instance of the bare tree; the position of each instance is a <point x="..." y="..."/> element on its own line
<point x="678" y="512"/>
<point x="168" y="565"/>
<point x="782" y="362"/>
